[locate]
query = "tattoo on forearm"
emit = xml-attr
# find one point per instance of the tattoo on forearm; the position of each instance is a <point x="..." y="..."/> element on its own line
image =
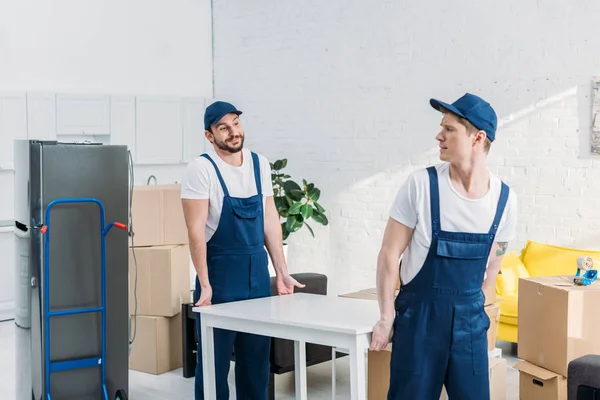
<point x="502" y="248"/>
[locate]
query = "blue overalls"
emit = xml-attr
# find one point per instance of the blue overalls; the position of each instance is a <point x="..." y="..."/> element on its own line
<point x="237" y="270"/>
<point x="440" y="328"/>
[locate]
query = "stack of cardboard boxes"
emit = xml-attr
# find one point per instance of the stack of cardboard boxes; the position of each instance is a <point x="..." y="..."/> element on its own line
<point x="558" y="322"/>
<point x="159" y="278"/>
<point x="379" y="361"/>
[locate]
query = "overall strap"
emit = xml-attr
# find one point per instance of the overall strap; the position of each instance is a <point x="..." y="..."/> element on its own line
<point x="500" y="209"/>
<point x="256" y="163"/>
<point x="218" y="174"/>
<point x="434" y="194"/>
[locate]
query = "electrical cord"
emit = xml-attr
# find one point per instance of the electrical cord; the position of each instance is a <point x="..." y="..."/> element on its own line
<point x="131" y="234"/>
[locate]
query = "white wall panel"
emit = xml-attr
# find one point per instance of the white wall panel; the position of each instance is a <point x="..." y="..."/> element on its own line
<point x="13" y="125"/>
<point x="7" y="283"/>
<point x="159" y="130"/>
<point x="82" y="114"/>
<point x="41" y="116"/>
<point x="6" y="195"/>
<point x="193" y="128"/>
<point x="122" y="122"/>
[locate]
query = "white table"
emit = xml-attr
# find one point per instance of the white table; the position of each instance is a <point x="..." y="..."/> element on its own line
<point x="304" y="318"/>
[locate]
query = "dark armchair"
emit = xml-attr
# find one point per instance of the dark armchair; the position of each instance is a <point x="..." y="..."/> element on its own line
<point x="282" y="351"/>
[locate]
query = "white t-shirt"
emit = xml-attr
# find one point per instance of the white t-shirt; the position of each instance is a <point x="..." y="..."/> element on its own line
<point x="457" y="214"/>
<point x="200" y="181"/>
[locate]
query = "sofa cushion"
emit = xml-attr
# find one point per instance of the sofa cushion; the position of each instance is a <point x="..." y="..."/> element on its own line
<point x="542" y="259"/>
<point x="507" y="281"/>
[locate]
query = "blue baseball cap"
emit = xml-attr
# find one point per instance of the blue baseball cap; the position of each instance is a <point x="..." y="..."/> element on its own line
<point x="216" y="111"/>
<point x="475" y="110"/>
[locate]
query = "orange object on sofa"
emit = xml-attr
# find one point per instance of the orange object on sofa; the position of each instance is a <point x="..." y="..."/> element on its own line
<point x="536" y="259"/>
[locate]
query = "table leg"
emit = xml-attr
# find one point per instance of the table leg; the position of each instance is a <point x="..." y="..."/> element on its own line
<point x="208" y="360"/>
<point x="333" y="374"/>
<point x="300" y="369"/>
<point x="358" y="384"/>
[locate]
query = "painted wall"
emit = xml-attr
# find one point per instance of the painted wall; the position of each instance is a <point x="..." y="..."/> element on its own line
<point x="115" y="48"/>
<point x="341" y="89"/>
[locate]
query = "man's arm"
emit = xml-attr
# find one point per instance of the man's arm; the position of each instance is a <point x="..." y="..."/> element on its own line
<point x="396" y="238"/>
<point x="274" y="243"/>
<point x="273" y="237"/>
<point x="195" y="213"/>
<point x="494" y="264"/>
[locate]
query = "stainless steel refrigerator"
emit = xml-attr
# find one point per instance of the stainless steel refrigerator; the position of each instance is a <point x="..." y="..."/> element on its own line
<point x="58" y="314"/>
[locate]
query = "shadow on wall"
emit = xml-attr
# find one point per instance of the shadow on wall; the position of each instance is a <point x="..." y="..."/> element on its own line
<point x="343" y="92"/>
<point x="542" y="152"/>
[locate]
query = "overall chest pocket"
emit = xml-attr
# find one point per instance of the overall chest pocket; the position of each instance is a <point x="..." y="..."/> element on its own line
<point x="460" y="264"/>
<point x="247" y="222"/>
<point x="246" y="211"/>
<point x="461" y="249"/>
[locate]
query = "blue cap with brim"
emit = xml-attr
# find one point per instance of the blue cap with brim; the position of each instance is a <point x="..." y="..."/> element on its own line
<point x="216" y="111"/>
<point x="473" y="108"/>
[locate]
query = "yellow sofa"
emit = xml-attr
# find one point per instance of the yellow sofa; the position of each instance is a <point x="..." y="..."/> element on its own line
<point x="536" y="259"/>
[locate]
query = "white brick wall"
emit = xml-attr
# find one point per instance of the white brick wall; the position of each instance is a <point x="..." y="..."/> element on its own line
<point x="341" y="89"/>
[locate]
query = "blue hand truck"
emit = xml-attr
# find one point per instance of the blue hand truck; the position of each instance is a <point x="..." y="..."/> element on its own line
<point x="85" y="362"/>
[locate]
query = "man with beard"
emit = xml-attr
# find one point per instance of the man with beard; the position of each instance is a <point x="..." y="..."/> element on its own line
<point x="227" y="199"/>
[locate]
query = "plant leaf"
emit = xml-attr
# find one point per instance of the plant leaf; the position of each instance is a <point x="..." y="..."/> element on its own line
<point x="281" y="204"/>
<point x="283" y="163"/>
<point x="310" y="186"/>
<point x="314" y="194"/>
<point x="289" y="200"/>
<point x="296" y="194"/>
<point x="309" y="229"/>
<point x="278" y="165"/>
<point x="320" y="217"/>
<point x="290" y="185"/>
<point x="319" y="207"/>
<point x="306" y="211"/>
<point x="295" y="208"/>
<point x="284" y="232"/>
<point x="293" y="223"/>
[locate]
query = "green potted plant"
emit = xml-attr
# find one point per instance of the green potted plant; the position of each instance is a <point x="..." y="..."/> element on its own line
<point x="296" y="204"/>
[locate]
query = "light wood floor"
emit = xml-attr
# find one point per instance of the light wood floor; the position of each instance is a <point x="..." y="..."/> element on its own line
<point x="174" y="386"/>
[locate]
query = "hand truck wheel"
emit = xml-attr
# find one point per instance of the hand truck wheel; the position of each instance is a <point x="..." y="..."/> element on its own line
<point x="121" y="395"/>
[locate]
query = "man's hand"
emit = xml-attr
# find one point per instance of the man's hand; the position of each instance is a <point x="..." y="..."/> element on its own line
<point x="285" y="284"/>
<point x="382" y="334"/>
<point x="205" y="297"/>
<point x="395" y="240"/>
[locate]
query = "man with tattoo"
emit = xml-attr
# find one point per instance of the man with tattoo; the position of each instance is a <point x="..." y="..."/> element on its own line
<point x="450" y="224"/>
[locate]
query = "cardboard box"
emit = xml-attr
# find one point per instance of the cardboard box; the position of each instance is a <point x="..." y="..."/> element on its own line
<point x="539" y="383"/>
<point x="378" y="374"/>
<point x="157" y="216"/>
<point x="163" y="280"/>
<point x="497" y="371"/>
<point x="379" y="377"/>
<point x="360" y="295"/>
<point x="490" y="295"/>
<point x="156" y="348"/>
<point x="558" y="321"/>
<point x="493" y="311"/>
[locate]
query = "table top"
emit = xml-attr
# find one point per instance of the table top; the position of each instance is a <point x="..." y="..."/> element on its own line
<point x="326" y="313"/>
